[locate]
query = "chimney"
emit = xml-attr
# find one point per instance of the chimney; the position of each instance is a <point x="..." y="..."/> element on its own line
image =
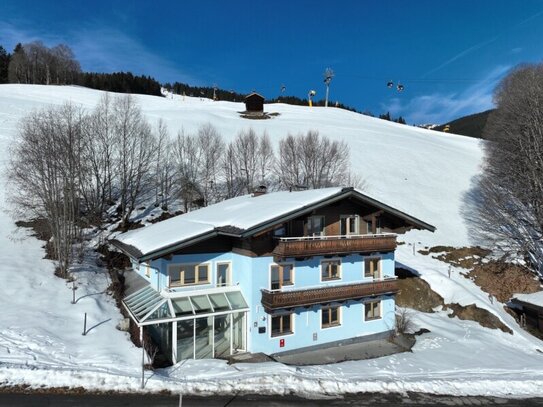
<point x="261" y="190"/>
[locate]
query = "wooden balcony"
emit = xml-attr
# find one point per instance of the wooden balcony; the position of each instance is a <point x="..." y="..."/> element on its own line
<point x="331" y="245"/>
<point x="274" y="300"/>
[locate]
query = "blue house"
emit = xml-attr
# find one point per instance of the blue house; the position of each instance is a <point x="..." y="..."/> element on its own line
<point x="271" y="273"/>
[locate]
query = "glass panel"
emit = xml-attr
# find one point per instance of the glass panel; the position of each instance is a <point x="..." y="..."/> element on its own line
<point x="222" y="335"/>
<point x="236" y="299"/>
<point x="175" y="274"/>
<point x="201" y="304"/>
<point x="334" y="316"/>
<point x="325" y="317"/>
<point x="162" y="335"/>
<point x="204" y="338"/>
<point x="162" y="312"/>
<point x="182" y="306"/>
<point x="275" y="283"/>
<point x="238" y="337"/>
<point x="223" y="271"/>
<point x="219" y="302"/>
<point x="203" y="273"/>
<point x="189" y="274"/>
<point x="185" y="339"/>
<point x="287" y="274"/>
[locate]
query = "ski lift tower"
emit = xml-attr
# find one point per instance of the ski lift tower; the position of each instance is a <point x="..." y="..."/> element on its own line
<point x="328" y="75"/>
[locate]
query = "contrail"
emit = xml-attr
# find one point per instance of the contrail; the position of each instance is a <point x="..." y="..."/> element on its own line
<point x="482" y="44"/>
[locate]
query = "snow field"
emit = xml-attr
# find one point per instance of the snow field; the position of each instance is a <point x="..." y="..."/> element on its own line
<point x="421" y="172"/>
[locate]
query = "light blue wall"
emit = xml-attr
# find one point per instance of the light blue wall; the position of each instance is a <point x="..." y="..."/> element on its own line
<point x="308" y="322"/>
<point x="252" y="274"/>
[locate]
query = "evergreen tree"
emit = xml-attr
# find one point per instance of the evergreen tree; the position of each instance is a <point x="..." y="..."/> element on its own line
<point x="4" y="63"/>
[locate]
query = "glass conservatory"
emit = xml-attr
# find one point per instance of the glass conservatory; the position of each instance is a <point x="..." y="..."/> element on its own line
<point x="197" y="325"/>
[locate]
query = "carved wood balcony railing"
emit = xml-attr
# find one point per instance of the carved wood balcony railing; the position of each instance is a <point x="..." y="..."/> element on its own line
<point x="330" y="245"/>
<point x="273" y="300"/>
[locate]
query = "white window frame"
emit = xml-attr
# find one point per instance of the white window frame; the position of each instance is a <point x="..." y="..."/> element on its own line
<point x="379" y="265"/>
<point x="292" y="325"/>
<point x="281" y="264"/>
<point x="228" y="276"/>
<point x="357" y="224"/>
<point x="340" y="270"/>
<point x="339" y="317"/>
<point x="380" y="306"/>
<point x="196" y="277"/>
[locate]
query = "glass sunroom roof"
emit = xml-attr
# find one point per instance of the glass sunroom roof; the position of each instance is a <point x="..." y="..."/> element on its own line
<point x="147" y="306"/>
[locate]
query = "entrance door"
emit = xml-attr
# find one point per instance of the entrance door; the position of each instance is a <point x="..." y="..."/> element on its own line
<point x="238" y="332"/>
<point x="222" y="332"/>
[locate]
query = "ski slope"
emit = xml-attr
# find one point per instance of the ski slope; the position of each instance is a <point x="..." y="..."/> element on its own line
<point x="421" y="172"/>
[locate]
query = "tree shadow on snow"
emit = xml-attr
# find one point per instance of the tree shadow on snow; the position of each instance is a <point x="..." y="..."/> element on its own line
<point x="97" y="325"/>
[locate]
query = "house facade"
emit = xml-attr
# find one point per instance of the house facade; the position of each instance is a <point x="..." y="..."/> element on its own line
<point x="271" y="273"/>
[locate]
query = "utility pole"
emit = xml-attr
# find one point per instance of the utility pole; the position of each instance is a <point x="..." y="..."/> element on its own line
<point x="328" y="75"/>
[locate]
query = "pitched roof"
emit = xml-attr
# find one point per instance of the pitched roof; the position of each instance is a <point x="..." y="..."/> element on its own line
<point x="240" y="216"/>
<point x="254" y="94"/>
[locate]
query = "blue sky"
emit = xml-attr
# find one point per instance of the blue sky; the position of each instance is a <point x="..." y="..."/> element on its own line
<point x="449" y="55"/>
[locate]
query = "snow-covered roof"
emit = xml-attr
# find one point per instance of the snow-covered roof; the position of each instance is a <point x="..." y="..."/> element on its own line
<point x="533" y="299"/>
<point x="236" y="216"/>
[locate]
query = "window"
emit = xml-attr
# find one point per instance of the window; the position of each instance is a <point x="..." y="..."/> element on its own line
<point x="372" y="310"/>
<point x="281" y="275"/>
<point x="372" y="267"/>
<point x="223" y="275"/>
<point x="349" y="225"/>
<point x="315" y="226"/>
<point x="330" y="270"/>
<point x="369" y="226"/>
<point x="188" y="274"/>
<point x="330" y="317"/>
<point x="281" y="325"/>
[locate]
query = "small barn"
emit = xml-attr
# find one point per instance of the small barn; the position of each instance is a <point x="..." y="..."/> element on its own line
<point x="254" y="103"/>
<point x="530" y="309"/>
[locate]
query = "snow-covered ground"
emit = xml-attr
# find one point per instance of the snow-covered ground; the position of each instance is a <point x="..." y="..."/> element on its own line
<point x="422" y="172"/>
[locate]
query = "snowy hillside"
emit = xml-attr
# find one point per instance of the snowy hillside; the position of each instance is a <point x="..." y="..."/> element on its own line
<point x="422" y="172"/>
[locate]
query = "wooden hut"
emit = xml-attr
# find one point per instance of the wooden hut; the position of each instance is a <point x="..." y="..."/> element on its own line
<point x="254" y="103"/>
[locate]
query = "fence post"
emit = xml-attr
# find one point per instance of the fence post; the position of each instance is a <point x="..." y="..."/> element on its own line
<point x="85" y="325"/>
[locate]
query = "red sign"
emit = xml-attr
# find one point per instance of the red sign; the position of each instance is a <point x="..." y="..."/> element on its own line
<point x="281" y="343"/>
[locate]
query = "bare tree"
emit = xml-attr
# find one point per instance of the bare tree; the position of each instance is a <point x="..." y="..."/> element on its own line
<point x="266" y="160"/>
<point x="211" y="147"/>
<point x="136" y="149"/>
<point x="187" y="162"/>
<point x="164" y="166"/>
<point x="45" y="169"/>
<point x="312" y="161"/>
<point x="510" y="192"/>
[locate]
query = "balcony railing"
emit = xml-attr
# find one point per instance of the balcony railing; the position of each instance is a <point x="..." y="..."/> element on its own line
<point x="330" y="245"/>
<point x="273" y="300"/>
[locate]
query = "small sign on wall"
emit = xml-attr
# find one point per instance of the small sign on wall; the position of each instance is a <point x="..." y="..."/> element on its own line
<point x="261" y="329"/>
<point x="281" y="343"/>
<point x="314" y="336"/>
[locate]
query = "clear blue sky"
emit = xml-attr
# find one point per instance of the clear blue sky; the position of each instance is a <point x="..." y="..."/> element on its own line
<point x="449" y="55"/>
